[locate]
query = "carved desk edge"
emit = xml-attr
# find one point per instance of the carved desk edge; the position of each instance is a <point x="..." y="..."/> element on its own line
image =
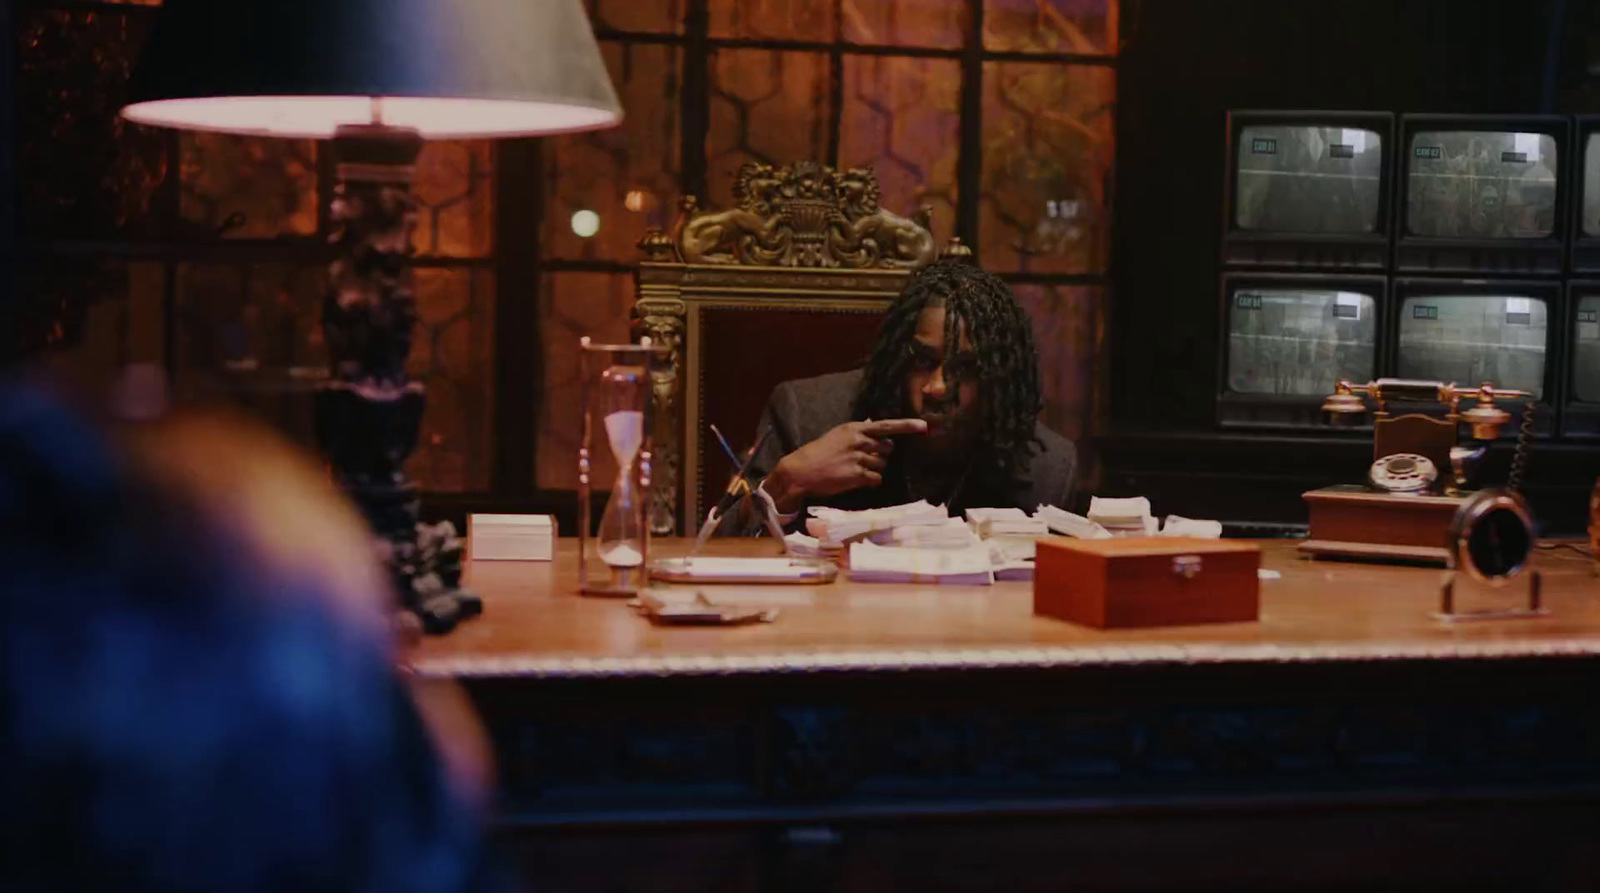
<point x="558" y="666"/>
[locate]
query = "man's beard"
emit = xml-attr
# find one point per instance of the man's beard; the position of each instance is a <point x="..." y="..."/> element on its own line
<point x="951" y="430"/>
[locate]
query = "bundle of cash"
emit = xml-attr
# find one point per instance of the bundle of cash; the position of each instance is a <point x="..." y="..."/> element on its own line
<point x="833" y="527"/>
<point x="1178" y="526"/>
<point x="1066" y="523"/>
<point x="871" y="563"/>
<point x="952" y="534"/>
<point x="802" y="546"/>
<point x="1009" y="528"/>
<point x="1007" y="566"/>
<point x="978" y="516"/>
<point x="1124" y="517"/>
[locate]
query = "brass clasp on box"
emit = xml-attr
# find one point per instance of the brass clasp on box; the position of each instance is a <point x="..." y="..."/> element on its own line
<point x="1187" y="566"/>
<point x="1490" y="542"/>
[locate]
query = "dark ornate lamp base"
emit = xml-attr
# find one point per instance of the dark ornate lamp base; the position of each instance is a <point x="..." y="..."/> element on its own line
<point x="368" y="414"/>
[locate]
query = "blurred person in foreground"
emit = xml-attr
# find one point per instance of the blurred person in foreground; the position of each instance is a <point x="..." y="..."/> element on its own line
<point x="197" y="676"/>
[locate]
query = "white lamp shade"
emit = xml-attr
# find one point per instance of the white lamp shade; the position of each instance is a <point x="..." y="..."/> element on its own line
<point x="303" y="68"/>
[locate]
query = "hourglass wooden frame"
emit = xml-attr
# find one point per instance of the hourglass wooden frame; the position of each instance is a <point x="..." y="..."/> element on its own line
<point x="593" y="359"/>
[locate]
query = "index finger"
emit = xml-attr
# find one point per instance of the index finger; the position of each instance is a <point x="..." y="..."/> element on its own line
<point x="891" y="427"/>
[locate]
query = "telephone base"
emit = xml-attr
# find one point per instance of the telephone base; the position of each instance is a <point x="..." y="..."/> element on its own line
<point x="1352" y="521"/>
<point x="1374" y="551"/>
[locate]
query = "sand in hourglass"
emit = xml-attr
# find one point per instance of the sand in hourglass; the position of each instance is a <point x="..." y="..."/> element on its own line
<point x="625" y="429"/>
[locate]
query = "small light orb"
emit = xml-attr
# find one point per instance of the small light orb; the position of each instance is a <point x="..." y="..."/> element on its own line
<point x="585" y="223"/>
<point x="634" y="200"/>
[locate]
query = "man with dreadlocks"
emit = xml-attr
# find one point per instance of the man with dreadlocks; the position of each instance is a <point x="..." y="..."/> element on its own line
<point x="946" y="409"/>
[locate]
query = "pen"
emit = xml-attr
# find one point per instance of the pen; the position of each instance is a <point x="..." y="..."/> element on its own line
<point x="732" y="456"/>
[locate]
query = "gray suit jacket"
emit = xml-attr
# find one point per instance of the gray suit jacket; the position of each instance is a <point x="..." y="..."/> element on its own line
<point x="803" y="410"/>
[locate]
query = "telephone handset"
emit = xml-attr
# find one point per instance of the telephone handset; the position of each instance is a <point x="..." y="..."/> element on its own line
<point x="1410" y="450"/>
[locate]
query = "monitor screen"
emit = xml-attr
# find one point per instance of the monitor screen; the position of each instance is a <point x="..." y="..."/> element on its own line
<point x="1295" y="178"/>
<point x="1591" y="185"/>
<point x="1299" y="341"/>
<point x="1471" y="339"/>
<point x="1586" y="350"/>
<point x="1481" y="184"/>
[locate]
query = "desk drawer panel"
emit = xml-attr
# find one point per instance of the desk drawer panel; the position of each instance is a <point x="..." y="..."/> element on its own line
<point x="771" y="746"/>
<point x="621" y="862"/>
<point x="641" y="759"/>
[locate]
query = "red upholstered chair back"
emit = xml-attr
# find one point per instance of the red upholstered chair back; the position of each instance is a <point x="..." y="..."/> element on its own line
<point x="745" y="352"/>
<point x="790" y="284"/>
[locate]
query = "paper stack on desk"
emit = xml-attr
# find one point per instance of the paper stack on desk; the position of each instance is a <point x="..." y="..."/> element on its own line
<point x="833" y="527"/>
<point x="1066" y="523"/>
<point x="871" y="563"/>
<point x="1124" y="517"/>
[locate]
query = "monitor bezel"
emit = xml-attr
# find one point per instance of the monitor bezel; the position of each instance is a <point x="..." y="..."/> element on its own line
<point x="1580" y="419"/>
<point x="1583" y="255"/>
<point x="1313" y="251"/>
<point x="1551" y="292"/>
<point x="1524" y="257"/>
<point x="1279" y="412"/>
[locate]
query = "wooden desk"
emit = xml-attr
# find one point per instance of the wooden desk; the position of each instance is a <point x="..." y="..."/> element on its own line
<point x="913" y="737"/>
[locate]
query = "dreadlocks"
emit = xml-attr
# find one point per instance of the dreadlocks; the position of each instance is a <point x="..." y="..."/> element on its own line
<point x="1002" y="339"/>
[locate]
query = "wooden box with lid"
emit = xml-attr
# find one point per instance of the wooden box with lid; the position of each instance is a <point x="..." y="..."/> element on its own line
<point x="1147" y="581"/>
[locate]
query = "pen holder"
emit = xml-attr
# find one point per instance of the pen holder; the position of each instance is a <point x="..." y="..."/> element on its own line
<point x="618" y="408"/>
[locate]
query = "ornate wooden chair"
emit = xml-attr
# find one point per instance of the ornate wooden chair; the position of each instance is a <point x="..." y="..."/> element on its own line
<point x="791" y="283"/>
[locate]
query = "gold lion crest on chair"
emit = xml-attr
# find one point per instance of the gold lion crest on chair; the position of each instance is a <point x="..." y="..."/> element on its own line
<point x="805" y="215"/>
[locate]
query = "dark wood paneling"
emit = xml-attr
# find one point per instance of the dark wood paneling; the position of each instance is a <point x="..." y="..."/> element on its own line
<point x="519" y="365"/>
<point x="1469" y="846"/>
<point x="13" y="344"/>
<point x="1412" y="775"/>
<point x="1183" y="66"/>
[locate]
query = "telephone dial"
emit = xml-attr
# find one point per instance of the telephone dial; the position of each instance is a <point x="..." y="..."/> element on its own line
<point x="1403" y="473"/>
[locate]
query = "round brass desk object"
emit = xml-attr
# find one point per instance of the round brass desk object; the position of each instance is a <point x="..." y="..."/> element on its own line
<point x="1491" y="540"/>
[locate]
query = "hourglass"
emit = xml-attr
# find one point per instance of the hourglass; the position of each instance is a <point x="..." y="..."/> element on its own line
<point x="618" y="405"/>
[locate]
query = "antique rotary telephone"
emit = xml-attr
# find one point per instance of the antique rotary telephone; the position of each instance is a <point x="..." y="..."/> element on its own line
<point x="1491" y="534"/>
<point x="1410" y="451"/>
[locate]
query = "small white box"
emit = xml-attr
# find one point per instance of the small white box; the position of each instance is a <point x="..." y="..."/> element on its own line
<point x="511" y="537"/>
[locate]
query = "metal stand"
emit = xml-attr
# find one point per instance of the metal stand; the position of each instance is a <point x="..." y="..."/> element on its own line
<point x="367" y="412"/>
<point x="750" y="498"/>
<point x="1447" y="603"/>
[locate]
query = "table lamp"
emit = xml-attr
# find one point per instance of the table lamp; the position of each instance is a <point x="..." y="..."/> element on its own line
<point x="377" y="77"/>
